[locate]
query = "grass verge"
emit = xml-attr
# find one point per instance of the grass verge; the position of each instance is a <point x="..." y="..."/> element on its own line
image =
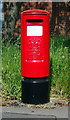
<point x="59" y="69"/>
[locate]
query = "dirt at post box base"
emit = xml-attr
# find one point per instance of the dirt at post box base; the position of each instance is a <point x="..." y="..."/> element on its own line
<point x="54" y="102"/>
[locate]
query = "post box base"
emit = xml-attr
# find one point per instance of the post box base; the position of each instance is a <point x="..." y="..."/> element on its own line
<point x="35" y="90"/>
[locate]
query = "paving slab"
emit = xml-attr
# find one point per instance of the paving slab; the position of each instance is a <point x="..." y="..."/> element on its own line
<point x="0" y="112"/>
<point x="25" y="112"/>
<point x="12" y="115"/>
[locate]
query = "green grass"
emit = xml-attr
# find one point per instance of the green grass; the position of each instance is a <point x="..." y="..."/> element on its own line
<point x="59" y="70"/>
<point x="11" y="72"/>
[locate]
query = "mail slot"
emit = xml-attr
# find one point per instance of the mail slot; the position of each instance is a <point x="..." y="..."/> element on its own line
<point x="35" y="55"/>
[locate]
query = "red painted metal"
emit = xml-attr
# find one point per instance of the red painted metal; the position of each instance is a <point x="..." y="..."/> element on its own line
<point x="35" y="49"/>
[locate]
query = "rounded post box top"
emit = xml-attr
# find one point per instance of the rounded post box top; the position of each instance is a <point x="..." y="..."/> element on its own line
<point x="35" y="12"/>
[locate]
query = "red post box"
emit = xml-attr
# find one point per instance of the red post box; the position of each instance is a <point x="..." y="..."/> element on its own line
<point x="35" y="56"/>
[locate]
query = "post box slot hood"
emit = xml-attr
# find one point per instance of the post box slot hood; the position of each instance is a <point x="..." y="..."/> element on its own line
<point x="35" y="12"/>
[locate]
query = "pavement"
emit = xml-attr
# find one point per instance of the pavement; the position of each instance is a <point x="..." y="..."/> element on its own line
<point x="38" y="113"/>
<point x="17" y="111"/>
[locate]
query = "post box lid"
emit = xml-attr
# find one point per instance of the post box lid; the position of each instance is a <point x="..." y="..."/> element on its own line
<point x="35" y="12"/>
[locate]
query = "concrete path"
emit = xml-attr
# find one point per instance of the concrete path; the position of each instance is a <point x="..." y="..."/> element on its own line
<point x="25" y="112"/>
